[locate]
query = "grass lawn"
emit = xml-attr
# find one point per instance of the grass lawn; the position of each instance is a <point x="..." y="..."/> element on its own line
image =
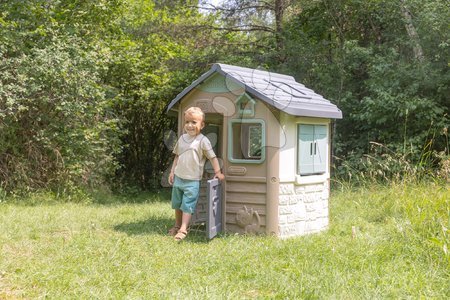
<point x="105" y="249"/>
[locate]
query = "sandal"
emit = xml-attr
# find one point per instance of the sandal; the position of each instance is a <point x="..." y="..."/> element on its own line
<point x="174" y="230"/>
<point x="180" y="235"/>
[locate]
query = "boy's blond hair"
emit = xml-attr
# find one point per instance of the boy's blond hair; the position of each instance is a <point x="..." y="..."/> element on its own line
<point x="195" y="111"/>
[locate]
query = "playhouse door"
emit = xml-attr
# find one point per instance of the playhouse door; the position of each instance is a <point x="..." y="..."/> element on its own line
<point x="214" y="208"/>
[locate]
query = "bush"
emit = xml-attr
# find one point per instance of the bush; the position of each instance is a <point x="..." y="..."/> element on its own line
<point x="56" y="130"/>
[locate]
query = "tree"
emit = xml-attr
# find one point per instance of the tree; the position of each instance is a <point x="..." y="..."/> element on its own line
<point x="371" y="63"/>
<point x="56" y="128"/>
<point x="261" y="23"/>
<point x="160" y="52"/>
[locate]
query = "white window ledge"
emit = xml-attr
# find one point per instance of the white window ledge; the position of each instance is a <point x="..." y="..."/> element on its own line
<point x="310" y="179"/>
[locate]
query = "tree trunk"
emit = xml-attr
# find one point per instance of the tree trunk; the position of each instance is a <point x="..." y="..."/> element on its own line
<point x="280" y="6"/>
<point x="412" y="32"/>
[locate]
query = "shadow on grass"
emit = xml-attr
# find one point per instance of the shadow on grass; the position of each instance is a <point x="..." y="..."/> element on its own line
<point x="97" y="197"/>
<point x="197" y="235"/>
<point x="162" y="195"/>
<point x="160" y="226"/>
<point x="149" y="226"/>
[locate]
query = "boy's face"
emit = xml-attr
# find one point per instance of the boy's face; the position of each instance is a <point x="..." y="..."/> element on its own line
<point x="193" y="123"/>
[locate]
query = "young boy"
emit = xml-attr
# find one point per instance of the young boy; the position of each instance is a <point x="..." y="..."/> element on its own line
<point x="191" y="152"/>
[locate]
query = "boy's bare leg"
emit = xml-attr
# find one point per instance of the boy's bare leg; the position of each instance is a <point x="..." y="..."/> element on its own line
<point x="178" y="217"/>
<point x="186" y="218"/>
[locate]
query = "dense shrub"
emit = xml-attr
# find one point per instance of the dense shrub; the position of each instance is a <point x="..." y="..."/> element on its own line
<point x="56" y="129"/>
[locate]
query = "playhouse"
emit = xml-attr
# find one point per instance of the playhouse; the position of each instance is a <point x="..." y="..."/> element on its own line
<point x="272" y="137"/>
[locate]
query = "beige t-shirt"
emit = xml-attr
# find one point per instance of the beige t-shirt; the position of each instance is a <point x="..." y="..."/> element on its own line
<point x="192" y="153"/>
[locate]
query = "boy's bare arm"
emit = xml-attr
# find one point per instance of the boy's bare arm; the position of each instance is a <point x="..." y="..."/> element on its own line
<point x="172" y="174"/>
<point x="216" y="166"/>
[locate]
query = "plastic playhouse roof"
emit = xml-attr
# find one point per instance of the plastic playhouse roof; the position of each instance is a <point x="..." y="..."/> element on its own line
<point x="278" y="90"/>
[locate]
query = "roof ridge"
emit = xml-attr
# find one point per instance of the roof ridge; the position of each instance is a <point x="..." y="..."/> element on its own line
<point x="227" y="68"/>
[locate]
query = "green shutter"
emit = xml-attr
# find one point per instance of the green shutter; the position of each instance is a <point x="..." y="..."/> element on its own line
<point x="312" y="149"/>
<point x="305" y="154"/>
<point x="320" y="148"/>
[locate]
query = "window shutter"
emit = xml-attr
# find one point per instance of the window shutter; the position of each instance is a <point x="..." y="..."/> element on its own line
<point x="312" y="149"/>
<point x="305" y="149"/>
<point x="320" y="148"/>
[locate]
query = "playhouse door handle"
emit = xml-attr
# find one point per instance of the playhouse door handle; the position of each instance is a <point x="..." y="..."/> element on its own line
<point x="315" y="148"/>
<point x="311" y="149"/>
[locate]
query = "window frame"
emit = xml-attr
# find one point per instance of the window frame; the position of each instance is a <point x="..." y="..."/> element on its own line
<point x="247" y="142"/>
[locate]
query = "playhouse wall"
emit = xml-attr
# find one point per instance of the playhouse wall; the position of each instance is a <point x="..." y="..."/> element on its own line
<point x="303" y="200"/>
<point x="247" y="185"/>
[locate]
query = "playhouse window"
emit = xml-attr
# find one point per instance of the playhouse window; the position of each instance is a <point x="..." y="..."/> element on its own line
<point x="246" y="141"/>
<point x="312" y="149"/>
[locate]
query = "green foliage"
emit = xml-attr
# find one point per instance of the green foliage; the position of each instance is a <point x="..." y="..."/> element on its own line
<point x="358" y="54"/>
<point x="57" y="127"/>
<point x="75" y="72"/>
<point x="161" y="51"/>
<point x="384" y="165"/>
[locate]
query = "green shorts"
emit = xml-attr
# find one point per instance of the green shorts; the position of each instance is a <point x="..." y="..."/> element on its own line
<point x="185" y="194"/>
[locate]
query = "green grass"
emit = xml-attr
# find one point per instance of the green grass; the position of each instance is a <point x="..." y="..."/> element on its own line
<point x="104" y="249"/>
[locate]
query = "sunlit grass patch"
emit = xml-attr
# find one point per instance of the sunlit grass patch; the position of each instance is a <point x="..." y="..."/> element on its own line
<point x="383" y="242"/>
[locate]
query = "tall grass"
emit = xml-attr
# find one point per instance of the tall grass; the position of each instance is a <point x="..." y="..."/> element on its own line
<point x="383" y="242"/>
<point x="385" y="165"/>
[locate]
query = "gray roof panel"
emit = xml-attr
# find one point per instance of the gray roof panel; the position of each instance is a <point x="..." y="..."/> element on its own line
<point x="278" y="90"/>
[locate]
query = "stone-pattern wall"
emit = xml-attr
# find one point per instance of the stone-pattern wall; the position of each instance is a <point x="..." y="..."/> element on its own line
<point x="302" y="209"/>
